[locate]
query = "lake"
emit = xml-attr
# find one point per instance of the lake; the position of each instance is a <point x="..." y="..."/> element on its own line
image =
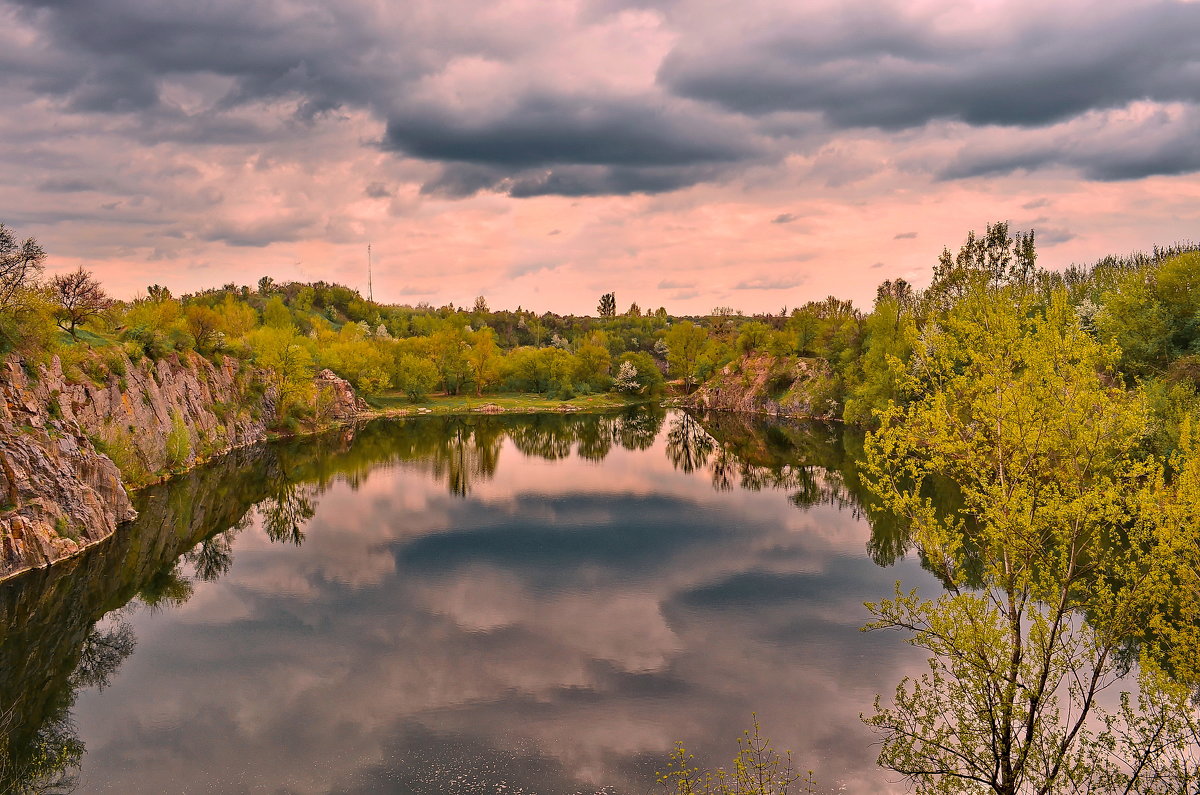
<point x="540" y="604"/>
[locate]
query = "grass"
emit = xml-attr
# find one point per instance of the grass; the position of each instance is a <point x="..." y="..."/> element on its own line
<point x="85" y="336"/>
<point x="395" y="403"/>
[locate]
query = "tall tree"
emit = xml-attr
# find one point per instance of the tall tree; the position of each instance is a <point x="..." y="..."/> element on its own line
<point x="685" y="343"/>
<point x="608" y="305"/>
<point x="20" y="264"/>
<point x="79" y="297"/>
<point x="1067" y="547"/>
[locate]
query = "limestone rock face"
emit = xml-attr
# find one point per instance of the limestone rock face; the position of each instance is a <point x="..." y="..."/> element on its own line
<point x="58" y="492"/>
<point x="344" y="403"/>
<point x="763" y="384"/>
<point x="60" y="489"/>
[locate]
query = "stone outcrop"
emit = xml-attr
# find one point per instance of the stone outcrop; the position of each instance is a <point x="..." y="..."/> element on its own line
<point x="344" y="404"/>
<point x="775" y="386"/>
<point x="70" y="446"/>
<point x="60" y="494"/>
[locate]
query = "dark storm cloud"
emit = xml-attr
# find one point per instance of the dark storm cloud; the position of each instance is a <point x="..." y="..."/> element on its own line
<point x="515" y="120"/>
<point x="114" y="58"/>
<point x="109" y="56"/>
<point x="543" y="130"/>
<point x="871" y="67"/>
<point x="544" y="144"/>
<point x="1162" y="144"/>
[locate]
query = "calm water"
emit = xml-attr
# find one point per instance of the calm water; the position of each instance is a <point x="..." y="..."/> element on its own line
<point x="474" y="605"/>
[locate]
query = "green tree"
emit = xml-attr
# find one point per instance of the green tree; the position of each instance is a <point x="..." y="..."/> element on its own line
<point x="484" y="358"/>
<point x="78" y="297"/>
<point x="276" y="313"/>
<point x="204" y="324"/>
<point x="649" y="378"/>
<point x="890" y="333"/>
<point x="449" y="350"/>
<point x="685" y="344"/>
<point x="592" y="363"/>
<point x="289" y="364"/>
<point x="237" y="319"/>
<point x="415" y="376"/>
<point x="753" y="336"/>
<point x="757" y="769"/>
<point x="1067" y="547"/>
<point x="20" y="265"/>
<point x="608" y="305"/>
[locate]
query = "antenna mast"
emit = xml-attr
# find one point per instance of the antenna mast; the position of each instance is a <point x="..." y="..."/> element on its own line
<point x="370" y="287"/>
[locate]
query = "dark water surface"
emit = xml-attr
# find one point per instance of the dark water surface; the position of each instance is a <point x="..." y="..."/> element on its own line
<point x="465" y="605"/>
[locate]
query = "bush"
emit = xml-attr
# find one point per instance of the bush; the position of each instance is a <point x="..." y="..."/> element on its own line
<point x="117" y="443"/>
<point x="757" y="769"/>
<point x="415" y="376"/>
<point x="648" y="377"/>
<point x="179" y="442"/>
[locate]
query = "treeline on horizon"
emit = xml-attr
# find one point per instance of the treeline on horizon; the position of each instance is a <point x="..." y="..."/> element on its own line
<point x="1148" y="305"/>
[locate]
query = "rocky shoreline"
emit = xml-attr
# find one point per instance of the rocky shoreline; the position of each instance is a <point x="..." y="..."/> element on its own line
<point x="61" y="490"/>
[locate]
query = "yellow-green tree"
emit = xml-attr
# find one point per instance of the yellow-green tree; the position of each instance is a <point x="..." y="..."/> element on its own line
<point x="289" y="365"/>
<point x="685" y="344"/>
<point x="484" y="358"/>
<point x="1070" y="549"/>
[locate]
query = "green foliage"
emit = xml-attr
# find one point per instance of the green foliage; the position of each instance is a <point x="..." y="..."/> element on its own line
<point x="1068" y="545"/>
<point x="289" y="365"/>
<point x="685" y="344"/>
<point x="1153" y="314"/>
<point x="757" y="769"/>
<point x="276" y="314"/>
<point x="649" y="377"/>
<point x="889" y="335"/>
<point x="179" y="442"/>
<point x="753" y="336"/>
<point x="415" y="376"/>
<point x="118" y="444"/>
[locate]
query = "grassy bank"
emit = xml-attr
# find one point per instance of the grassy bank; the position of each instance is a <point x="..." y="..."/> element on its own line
<point x="395" y="404"/>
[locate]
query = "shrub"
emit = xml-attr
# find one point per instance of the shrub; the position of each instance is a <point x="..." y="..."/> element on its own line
<point x="179" y="442"/>
<point x="118" y="444"/>
<point x="757" y="769"/>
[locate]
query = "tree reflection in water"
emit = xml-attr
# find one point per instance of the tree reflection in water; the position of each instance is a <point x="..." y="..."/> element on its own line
<point x="64" y="629"/>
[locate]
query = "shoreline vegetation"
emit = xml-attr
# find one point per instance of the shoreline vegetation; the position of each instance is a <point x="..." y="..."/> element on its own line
<point x="826" y="359"/>
<point x="1058" y="410"/>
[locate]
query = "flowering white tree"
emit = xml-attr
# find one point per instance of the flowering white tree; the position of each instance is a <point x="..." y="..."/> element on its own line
<point x="627" y="378"/>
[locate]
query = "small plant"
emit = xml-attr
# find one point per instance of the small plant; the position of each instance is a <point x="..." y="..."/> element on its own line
<point x="757" y="769"/>
<point x="115" y="362"/>
<point x="65" y="529"/>
<point x="118" y="444"/>
<point x="179" y="442"/>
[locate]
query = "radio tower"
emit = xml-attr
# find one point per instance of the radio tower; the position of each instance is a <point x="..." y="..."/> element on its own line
<point x="370" y="288"/>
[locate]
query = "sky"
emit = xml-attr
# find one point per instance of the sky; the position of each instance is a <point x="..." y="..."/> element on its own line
<point x="681" y="153"/>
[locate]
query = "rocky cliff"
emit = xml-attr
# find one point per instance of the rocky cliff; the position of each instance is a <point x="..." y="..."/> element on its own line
<point x="775" y="386"/>
<point x="70" y="447"/>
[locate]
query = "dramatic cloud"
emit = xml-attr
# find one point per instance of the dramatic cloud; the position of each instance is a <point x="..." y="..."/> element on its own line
<point x="1140" y="142"/>
<point x="633" y="142"/>
<point x="884" y="65"/>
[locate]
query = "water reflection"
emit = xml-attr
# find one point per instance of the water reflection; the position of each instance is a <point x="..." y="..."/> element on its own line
<point x="455" y="604"/>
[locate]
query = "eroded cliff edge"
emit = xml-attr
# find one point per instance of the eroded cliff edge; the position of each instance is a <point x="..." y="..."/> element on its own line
<point x="784" y="386"/>
<point x="62" y="438"/>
